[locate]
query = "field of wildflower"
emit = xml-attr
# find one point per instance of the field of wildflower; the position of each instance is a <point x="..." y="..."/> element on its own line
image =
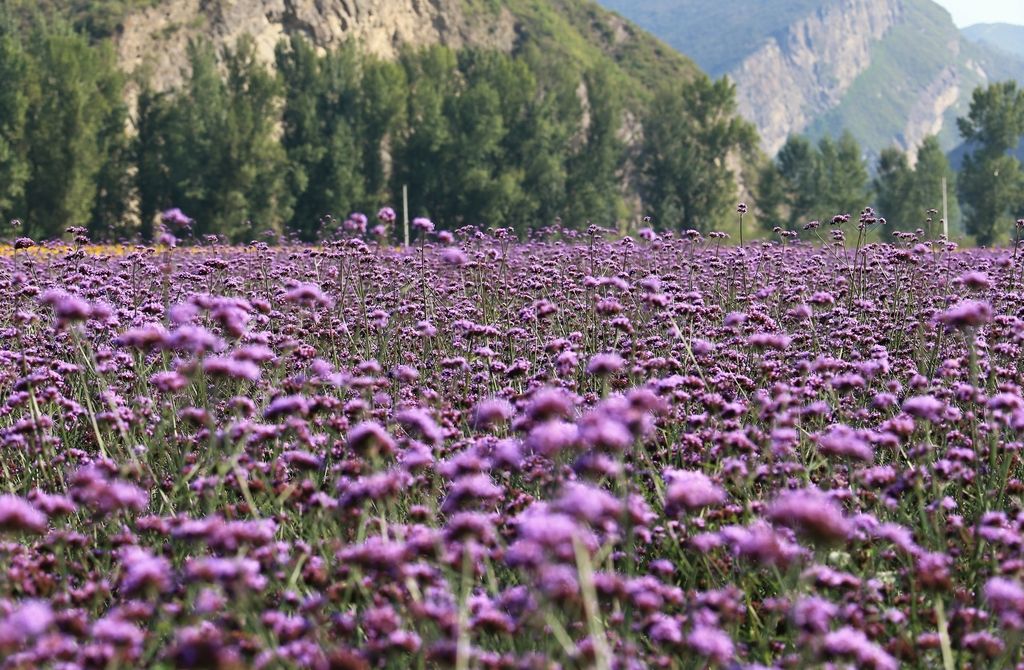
<point x="576" y="451"/>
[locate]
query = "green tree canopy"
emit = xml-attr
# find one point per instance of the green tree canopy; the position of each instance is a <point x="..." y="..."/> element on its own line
<point x="991" y="184"/>
<point x="216" y="153"/>
<point x="905" y="195"/>
<point x="690" y="130"/>
<point x="813" y="183"/>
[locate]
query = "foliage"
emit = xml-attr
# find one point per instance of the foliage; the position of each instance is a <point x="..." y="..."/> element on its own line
<point x="214" y="149"/>
<point x="477" y="453"/>
<point x="808" y="182"/>
<point x="690" y="131"/>
<point x="991" y="181"/>
<point x="911" y="197"/>
<point x="97" y="19"/>
<point x="73" y="133"/>
<point x="14" y="103"/>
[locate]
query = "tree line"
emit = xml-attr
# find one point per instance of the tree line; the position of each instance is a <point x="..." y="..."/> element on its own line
<point x="477" y="137"/>
<point x="808" y="182"/>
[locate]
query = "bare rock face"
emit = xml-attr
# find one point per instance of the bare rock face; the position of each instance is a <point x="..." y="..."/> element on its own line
<point x="802" y="73"/>
<point x="156" y="39"/>
<point x="930" y="105"/>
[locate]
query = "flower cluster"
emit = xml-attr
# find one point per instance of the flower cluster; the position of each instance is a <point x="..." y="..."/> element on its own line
<point x="572" y="451"/>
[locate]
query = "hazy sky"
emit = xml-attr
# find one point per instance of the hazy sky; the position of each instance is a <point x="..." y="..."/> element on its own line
<point x="967" y="12"/>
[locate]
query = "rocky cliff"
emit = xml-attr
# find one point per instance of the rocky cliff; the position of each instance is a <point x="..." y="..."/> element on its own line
<point x="157" y="38"/>
<point x="805" y="71"/>
<point x="890" y="71"/>
<point x="576" y="33"/>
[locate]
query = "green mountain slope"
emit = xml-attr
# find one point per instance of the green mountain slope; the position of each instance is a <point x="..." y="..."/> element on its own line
<point x="1005" y="36"/>
<point x="270" y="114"/>
<point x="890" y="71"/>
<point x="576" y="34"/>
<point x="717" y="35"/>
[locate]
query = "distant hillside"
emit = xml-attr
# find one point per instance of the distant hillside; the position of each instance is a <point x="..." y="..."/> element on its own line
<point x="1005" y="36"/>
<point x="502" y="112"/>
<point x="717" y="35"/>
<point x="956" y="156"/>
<point x="152" y="36"/>
<point x="891" y="71"/>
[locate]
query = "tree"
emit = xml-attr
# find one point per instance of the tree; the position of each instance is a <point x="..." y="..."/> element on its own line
<point x="320" y="138"/>
<point x="419" y="155"/>
<point x="150" y="155"/>
<point x="991" y="184"/>
<point x="904" y="195"/>
<point x="689" y="131"/>
<point x="111" y="211"/>
<point x="382" y="113"/>
<point x="771" y="197"/>
<point x="844" y="176"/>
<point x="14" y="166"/>
<point x="253" y="198"/>
<point x="217" y="154"/>
<point x="893" y="184"/>
<point x="593" y="190"/>
<point x="799" y="166"/>
<point x="74" y="131"/>
<point x="931" y="168"/>
<point x="814" y="183"/>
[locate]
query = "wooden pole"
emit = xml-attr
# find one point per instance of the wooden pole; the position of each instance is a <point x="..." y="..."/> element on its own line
<point x="945" y="210"/>
<point x="405" y="212"/>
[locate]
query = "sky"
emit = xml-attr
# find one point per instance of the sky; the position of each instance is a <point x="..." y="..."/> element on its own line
<point x="969" y="12"/>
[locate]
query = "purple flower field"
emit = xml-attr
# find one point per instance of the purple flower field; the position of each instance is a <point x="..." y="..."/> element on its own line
<point x="573" y="452"/>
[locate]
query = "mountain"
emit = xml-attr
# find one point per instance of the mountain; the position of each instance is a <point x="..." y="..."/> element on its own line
<point x="152" y="36"/>
<point x="890" y="71"/>
<point x="500" y="112"/>
<point x="1005" y="36"/>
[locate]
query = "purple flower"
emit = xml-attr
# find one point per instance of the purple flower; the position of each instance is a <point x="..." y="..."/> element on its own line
<point x="814" y="614"/>
<point x="92" y="487"/>
<point x="468" y="489"/>
<point x="924" y="407"/>
<point x="370" y="437"/>
<point x="976" y="280"/>
<point x="776" y="341"/>
<point x="665" y="630"/>
<point x="387" y="215"/>
<point x="418" y="422"/>
<point x="308" y="294"/>
<point x="552" y="437"/>
<point x="144" y="572"/>
<point x="176" y="217"/>
<point x="845" y="442"/>
<point x="811" y="513"/>
<point x="423" y="224"/>
<point x="286" y="406"/>
<point x="589" y="504"/>
<point x="966" y="314"/>
<point x="17" y="515"/>
<point x="690" y="490"/>
<point x="454" y="257"/>
<point x="243" y="370"/>
<point x="549" y="403"/>
<point x="603" y="365"/>
<point x="712" y="643"/>
<point x="491" y="412"/>
<point x="67" y="308"/>
<point x="851" y="643"/>
<point x="1006" y="597"/>
<point x="28" y="621"/>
